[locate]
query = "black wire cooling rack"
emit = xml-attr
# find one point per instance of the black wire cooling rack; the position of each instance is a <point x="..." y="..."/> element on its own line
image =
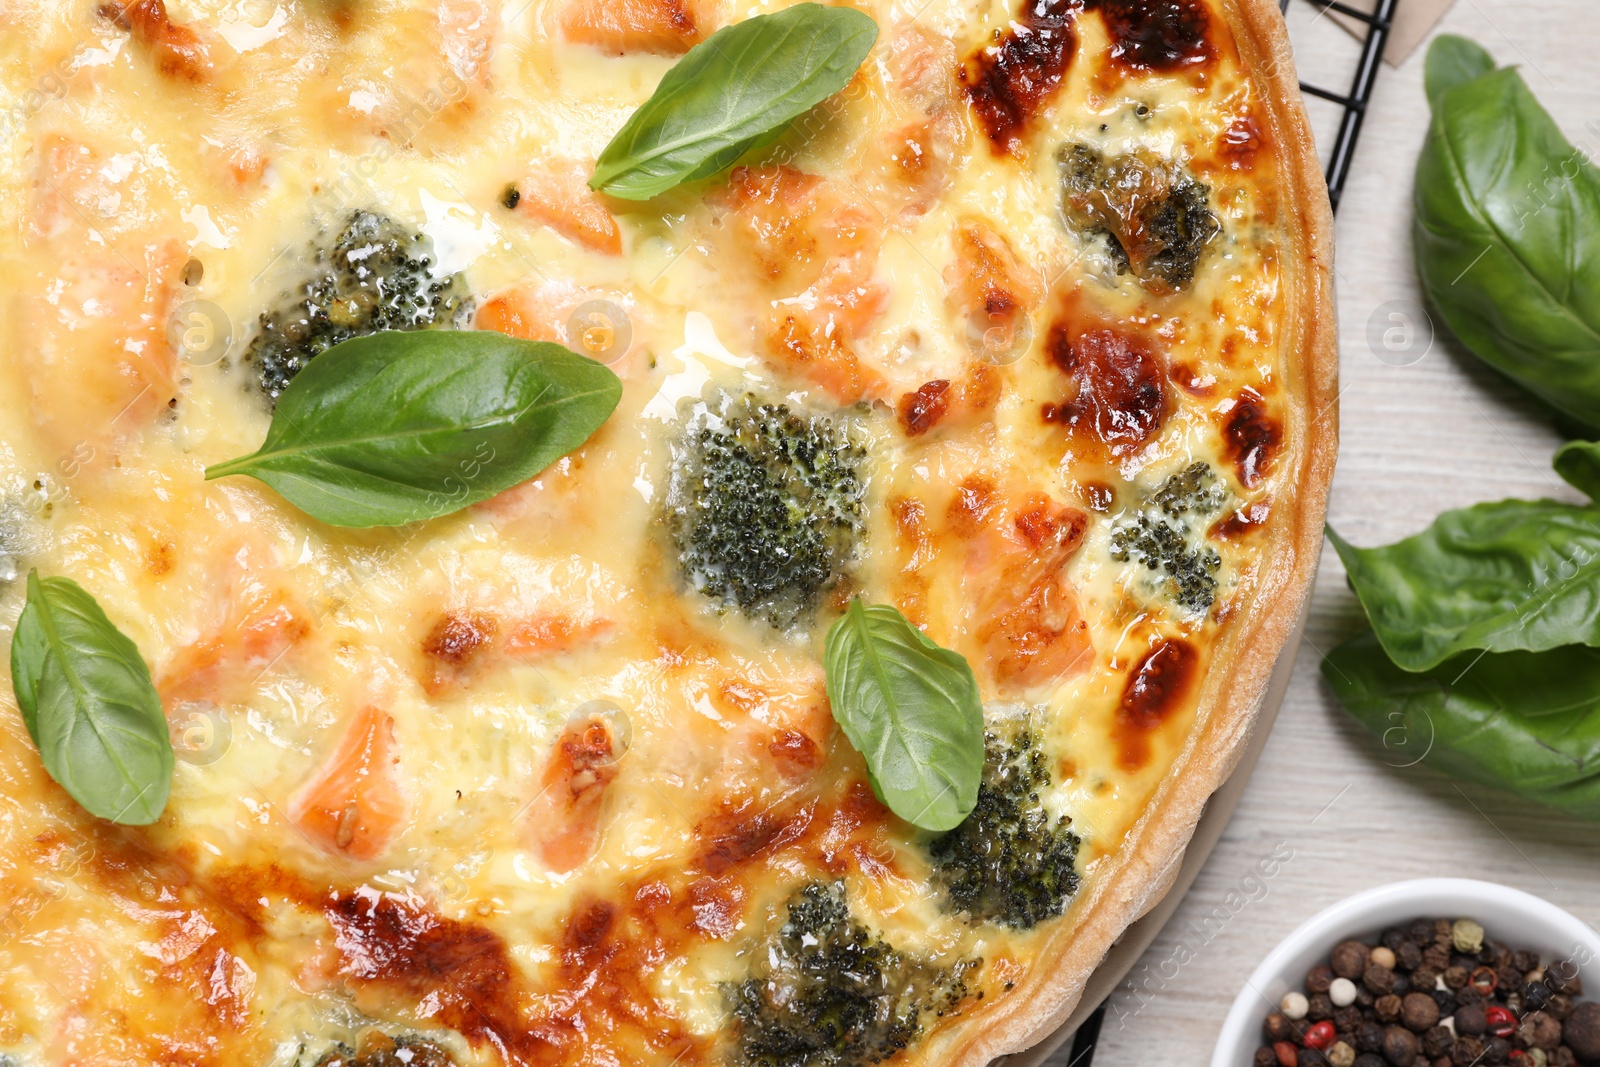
<point x="1354" y="106"/>
<point x="1354" y="103"/>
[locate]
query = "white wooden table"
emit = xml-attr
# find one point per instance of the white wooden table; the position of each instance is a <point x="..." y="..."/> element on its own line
<point x="1439" y="433"/>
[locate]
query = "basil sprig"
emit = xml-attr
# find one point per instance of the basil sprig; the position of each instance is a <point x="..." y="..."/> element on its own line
<point x="1515" y="574"/>
<point x="1527" y="722"/>
<point x="398" y="427"/>
<point x="733" y="92"/>
<point x="911" y="709"/>
<point x="1507" y="230"/>
<point x="89" y="705"/>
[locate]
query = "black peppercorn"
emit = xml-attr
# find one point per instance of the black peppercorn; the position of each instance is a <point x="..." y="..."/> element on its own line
<point x="1437" y="1041"/>
<point x="1559" y="1005"/>
<point x="1496" y="1050"/>
<point x="1387" y="1008"/>
<point x="1466" y="1051"/>
<point x="1422" y="932"/>
<point x="1436" y="958"/>
<point x="1536" y="995"/>
<point x="1276" y="1027"/>
<point x="1265" y="1057"/>
<point x="1345" y="1020"/>
<point x="1319" y="978"/>
<point x="1391" y="938"/>
<point x="1409" y="956"/>
<point x="1524" y="960"/>
<point x="1424" y="978"/>
<point x="1378" y="979"/>
<point x="1508" y="977"/>
<point x="1445" y="999"/>
<point x="1455" y="977"/>
<point x="1496" y="954"/>
<point x="1369" y="1059"/>
<point x="1364" y="997"/>
<point x="1402" y="984"/>
<point x="1320" y="1007"/>
<point x="1539" y="1030"/>
<point x="1369" y="1037"/>
<point x="1311" y="1057"/>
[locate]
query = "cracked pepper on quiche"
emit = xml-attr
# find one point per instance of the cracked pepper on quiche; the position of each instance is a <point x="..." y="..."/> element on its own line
<point x="1020" y="336"/>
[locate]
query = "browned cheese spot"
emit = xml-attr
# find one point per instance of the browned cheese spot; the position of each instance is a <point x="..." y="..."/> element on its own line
<point x="1158" y="686"/>
<point x="1010" y="81"/>
<point x="1156" y="34"/>
<point x="1253" y="437"/>
<point x="1120" y="399"/>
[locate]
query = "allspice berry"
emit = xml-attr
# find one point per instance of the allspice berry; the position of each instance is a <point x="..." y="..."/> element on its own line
<point x="1350" y="959"/>
<point x="1400" y="1046"/>
<point x="1582" y="1030"/>
<point x="1419" y="1012"/>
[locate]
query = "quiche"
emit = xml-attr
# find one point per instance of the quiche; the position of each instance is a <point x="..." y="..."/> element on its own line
<point x="1022" y="336"/>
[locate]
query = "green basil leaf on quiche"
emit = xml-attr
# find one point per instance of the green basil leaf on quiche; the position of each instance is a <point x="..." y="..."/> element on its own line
<point x="1526" y="722"/>
<point x="89" y="705"/>
<point x="736" y="91"/>
<point x="911" y="709"/>
<point x="1451" y="61"/>
<point x="1507" y="233"/>
<point x="1578" y="462"/>
<point x="1501" y="576"/>
<point x="397" y="427"/>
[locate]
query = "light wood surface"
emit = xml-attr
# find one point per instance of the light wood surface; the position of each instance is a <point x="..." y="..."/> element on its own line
<point x="1438" y="433"/>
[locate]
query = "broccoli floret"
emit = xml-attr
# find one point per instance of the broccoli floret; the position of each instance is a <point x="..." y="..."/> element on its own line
<point x="826" y="993"/>
<point x="1168" y="536"/>
<point x="1154" y="216"/>
<point x="1009" y="862"/>
<point x="765" y="506"/>
<point x="380" y="1050"/>
<point x="374" y="275"/>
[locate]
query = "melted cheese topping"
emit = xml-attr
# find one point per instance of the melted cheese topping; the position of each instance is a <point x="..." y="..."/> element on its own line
<point x="362" y="828"/>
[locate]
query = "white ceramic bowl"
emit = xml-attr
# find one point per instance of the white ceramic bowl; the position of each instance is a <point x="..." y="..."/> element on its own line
<point x="1520" y="919"/>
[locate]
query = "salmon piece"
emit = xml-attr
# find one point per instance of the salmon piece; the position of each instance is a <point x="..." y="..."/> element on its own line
<point x="1030" y="624"/>
<point x="557" y="195"/>
<point x="517" y="312"/>
<point x="180" y="53"/>
<point x="353" y="806"/>
<point x="986" y="284"/>
<point x="564" y="819"/>
<point x="942" y="402"/>
<point x="217" y="667"/>
<point x="668" y="27"/>
<point x="461" y="643"/>
<point x="816" y="249"/>
<point x="90" y="342"/>
<point x="551" y="632"/>
<point x="815" y="348"/>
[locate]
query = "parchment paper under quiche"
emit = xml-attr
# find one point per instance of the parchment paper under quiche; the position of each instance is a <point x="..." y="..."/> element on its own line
<point x="1025" y="333"/>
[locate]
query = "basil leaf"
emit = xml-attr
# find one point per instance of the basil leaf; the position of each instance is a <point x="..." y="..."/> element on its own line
<point x="1527" y="722"/>
<point x="731" y="93"/>
<point x="396" y="427"/>
<point x="89" y="705"/>
<point x="1451" y="61"/>
<point x="1507" y="237"/>
<point x="1578" y="462"/>
<point x="911" y="709"/>
<point x="1509" y="575"/>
